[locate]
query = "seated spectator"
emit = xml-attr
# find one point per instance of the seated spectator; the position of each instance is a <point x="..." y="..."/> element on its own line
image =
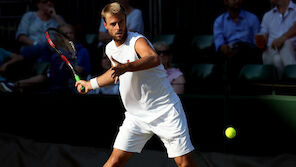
<point x="54" y="74"/>
<point x="107" y="90"/>
<point x="234" y="33"/>
<point x="174" y="75"/>
<point x="134" y="22"/>
<point x="277" y="34"/>
<point x="7" y="58"/>
<point x="30" y="32"/>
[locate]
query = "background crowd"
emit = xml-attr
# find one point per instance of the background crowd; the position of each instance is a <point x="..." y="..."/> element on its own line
<point x="234" y="36"/>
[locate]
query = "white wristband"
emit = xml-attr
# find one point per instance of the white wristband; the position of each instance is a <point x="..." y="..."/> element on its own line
<point x="94" y="83"/>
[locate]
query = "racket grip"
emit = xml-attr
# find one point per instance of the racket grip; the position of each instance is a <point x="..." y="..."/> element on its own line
<point x="78" y="79"/>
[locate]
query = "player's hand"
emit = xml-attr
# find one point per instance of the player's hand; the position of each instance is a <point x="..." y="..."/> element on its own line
<point x="85" y="84"/>
<point x="118" y="69"/>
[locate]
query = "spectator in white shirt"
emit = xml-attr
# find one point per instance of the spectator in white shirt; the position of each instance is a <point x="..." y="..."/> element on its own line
<point x="277" y="35"/>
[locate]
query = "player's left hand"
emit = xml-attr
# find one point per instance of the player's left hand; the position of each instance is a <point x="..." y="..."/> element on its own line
<point x="118" y="69"/>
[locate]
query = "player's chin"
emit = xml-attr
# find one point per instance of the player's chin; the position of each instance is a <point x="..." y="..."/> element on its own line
<point x="117" y="38"/>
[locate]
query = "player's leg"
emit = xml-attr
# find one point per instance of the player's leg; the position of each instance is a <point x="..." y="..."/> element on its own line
<point x="131" y="138"/>
<point x="118" y="158"/>
<point x="185" y="161"/>
<point x="173" y="131"/>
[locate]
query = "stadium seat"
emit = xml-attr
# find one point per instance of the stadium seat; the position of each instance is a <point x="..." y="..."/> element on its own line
<point x="258" y="73"/>
<point x="203" y="49"/>
<point x="202" y="41"/>
<point x="91" y="38"/>
<point x="289" y="74"/>
<point x="287" y="84"/>
<point x="206" y="78"/>
<point x="168" y="38"/>
<point x="256" y="79"/>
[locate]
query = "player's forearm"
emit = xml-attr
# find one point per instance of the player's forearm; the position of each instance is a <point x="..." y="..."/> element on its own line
<point x="143" y="63"/>
<point x="105" y="79"/>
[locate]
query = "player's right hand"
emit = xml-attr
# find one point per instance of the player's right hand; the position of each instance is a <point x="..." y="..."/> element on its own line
<point x="85" y="84"/>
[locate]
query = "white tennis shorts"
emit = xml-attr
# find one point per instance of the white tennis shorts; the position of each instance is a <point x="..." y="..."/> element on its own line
<point x="171" y="128"/>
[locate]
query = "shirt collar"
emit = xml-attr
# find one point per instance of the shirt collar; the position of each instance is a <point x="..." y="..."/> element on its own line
<point x="291" y="6"/>
<point x="240" y="16"/>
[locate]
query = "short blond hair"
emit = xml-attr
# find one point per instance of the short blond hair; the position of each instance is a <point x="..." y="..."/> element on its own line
<point x="113" y="9"/>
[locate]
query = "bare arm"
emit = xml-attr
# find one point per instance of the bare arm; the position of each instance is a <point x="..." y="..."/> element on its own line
<point x="23" y="39"/>
<point x="14" y="58"/>
<point x="102" y="80"/>
<point x="278" y="43"/>
<point x="178" y="84"/>
<point x="53" y="13"/>
<point x="148" y="59"/>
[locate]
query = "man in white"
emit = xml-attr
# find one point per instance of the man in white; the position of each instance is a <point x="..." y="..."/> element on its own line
<point x="278" y="30"/>
<point x="152" y="106"/>
<point x="134" y="22"/>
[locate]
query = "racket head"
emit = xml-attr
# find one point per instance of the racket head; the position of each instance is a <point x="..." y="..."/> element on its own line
<point x="61" y="43"/>
<point x="63" y="46"/>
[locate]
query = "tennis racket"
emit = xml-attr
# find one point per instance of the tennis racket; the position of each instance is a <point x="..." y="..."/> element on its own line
<point x="63" y="46"/>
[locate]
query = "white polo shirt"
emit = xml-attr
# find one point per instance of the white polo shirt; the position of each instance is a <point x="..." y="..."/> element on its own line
<point x="146" y="94"/>
<point x="275" y="24"/>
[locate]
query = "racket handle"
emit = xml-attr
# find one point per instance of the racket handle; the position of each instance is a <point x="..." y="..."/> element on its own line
<point x="78" y="79"/>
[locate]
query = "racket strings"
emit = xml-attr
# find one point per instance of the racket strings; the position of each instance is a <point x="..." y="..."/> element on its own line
<point x="64" y="45"/>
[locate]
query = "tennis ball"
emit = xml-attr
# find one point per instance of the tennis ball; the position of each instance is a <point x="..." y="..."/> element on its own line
<point x="230" y="132"/>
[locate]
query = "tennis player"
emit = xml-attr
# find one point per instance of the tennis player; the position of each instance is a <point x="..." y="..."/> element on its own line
<point x="152" y="106"/>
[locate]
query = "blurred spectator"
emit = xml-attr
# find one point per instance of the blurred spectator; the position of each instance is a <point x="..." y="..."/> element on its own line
<point x="134" y="22"/>
<point x="30" y="32"/>
<point x="56" y="72"/>
<point x="277" y="34"/>
<point x="234" y="33"/>
<point x="107" y="90"/>
<point x="174" y="75"/>
<point x="35" y="81"/>
<point x="7" y="58"/>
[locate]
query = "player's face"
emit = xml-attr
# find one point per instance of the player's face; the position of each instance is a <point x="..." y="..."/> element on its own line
<point x="115" y="24"/>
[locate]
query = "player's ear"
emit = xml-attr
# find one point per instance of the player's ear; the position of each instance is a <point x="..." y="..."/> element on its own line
<point x="105" y="25"/>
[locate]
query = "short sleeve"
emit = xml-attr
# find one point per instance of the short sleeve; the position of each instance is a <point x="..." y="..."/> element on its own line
<point x="23" y="27"/>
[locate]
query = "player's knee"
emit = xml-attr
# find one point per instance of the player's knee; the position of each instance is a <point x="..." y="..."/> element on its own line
<point x="183" y="164"/>
<point x="185" y="161"/>
<point x="114" y="162"/>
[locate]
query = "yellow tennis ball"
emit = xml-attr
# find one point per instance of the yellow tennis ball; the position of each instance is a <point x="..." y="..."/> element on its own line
<point x="230" y="132"/>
